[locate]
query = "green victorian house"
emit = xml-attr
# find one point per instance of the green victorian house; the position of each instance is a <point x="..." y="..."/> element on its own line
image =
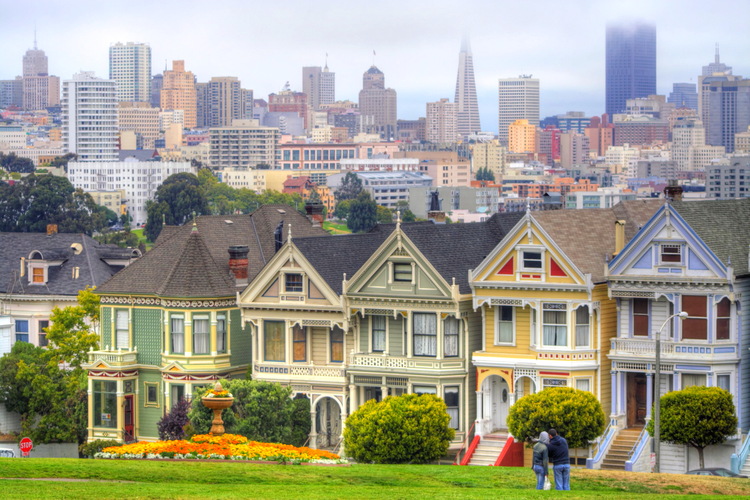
<point x="170" y="324"/>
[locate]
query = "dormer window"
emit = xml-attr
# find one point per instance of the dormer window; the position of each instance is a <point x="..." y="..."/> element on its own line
<point x="670" y="254"/>
<point x="37" y="275"/>
<point x="532" y="261"/>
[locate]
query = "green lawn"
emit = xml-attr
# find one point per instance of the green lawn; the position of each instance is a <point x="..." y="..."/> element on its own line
<point x="142" y="238"/>
<point x="336" y="228"/>
<point x="161" y="479"/>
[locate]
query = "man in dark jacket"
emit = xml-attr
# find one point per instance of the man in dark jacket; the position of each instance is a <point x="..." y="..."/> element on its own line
<point x="558" y="455"/>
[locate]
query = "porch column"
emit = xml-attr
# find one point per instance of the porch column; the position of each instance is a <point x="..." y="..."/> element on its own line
<point x="615" y="391"/>
<point x="478" y="429"/>
<point x="649" y="394"/>
<point x="90" y="392"/>
<point x="352" y="398"/>
<point x="313" y="428"/>
<point x="120" y="410"/>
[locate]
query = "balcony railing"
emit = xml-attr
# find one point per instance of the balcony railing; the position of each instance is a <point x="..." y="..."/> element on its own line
<point x="674" y="350"/>
<point x="118" y="358"/>
<point x="404" y="363"/>
<point x="300" y="371"/>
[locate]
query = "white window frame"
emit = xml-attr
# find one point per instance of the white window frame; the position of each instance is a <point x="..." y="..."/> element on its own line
<point x="522" y="259"/>
<point x="122" y="332"/>
<point x="550" y="382"/>
<point x="564" y="309"/>
<point x="512" y="322"/>
<point x="587" y="345"/>
<point x="680" y="253"/>
<point x="203" y="318"/>
<point x="221" y="318"/>
<point x="455" y="417"/>
<point x="457" y="335"/>
<point x="589" y="383"/>
<point x="433" y="338"/>
<point x="301" y="285"/>
<point x="385" y="333"/>
<point x="729" y="377"/>
<point x="172" y="319"/>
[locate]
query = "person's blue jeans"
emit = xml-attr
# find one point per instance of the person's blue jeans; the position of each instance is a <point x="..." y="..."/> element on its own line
<point x="540" y="475"/>
<point x="562" y="476"/>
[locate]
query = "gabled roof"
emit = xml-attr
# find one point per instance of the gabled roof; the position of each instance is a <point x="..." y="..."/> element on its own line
<point x="92" y="269"/>
<point x="188" y="263"/>
<point x="587" y="236"/>
<point x="723" y="226"/>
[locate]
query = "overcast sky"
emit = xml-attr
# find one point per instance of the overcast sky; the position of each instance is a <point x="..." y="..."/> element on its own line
<point x="266" y="43"/>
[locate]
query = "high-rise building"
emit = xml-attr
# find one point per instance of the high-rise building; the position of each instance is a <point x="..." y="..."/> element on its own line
<point x="40" y="90"/>
<point x="441" y="122"/>
<point x="689" y="149"/>
<point x="141" y="119"/>
<point x="377" y="105"/>
<point x="289" y="101"/>
<point x="220" y="101"/>
<point x="574" y="149"/>
<point x="319" y="85"/>
<point x="157" y="82"/>
<point x="630" y="64"/>
<point x="713" y="72"/>
<point x="243" y="144"/>
<point x="521" y="137"/>
<point x="130" y="67"/>
<point x="89" y="108"/>
<point x="178" y="92"/>
<point x="11" y="93"/>
<point x="518" y="99"/>
<point x="467" y="107"/>
<point x="600" y="133"/>
<point x="684" y="95"/>
<point x="728" y="112"/>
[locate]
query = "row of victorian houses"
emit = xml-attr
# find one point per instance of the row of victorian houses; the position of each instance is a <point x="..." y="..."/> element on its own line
<point x="479" y="314"/>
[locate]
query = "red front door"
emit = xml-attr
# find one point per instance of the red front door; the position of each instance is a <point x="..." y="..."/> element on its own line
<point x="129" y="419"/>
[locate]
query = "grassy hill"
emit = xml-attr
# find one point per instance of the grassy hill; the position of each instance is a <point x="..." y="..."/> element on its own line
<point x="68" y="478"/>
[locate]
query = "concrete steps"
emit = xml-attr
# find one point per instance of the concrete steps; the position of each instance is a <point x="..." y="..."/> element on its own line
<point x="619" y="450"/>
<point x="489" y="449"/>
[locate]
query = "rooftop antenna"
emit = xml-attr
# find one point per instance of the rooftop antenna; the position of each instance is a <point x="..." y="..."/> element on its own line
<point x="326" y="67"/>
<point x="34" y="36"/>
<point x="717" y="53"/>
<point x="373" y="57"/>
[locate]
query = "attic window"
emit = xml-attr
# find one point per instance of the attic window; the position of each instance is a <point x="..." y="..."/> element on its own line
<point x="228" y="221"/>
<point x="293" y="282"/>
<point x="532" y="260"/>
<point x="402" y="272"/>
<point x="37" y="275"/>
<point x="282" y="212"/>
<point x="671" y="254"/>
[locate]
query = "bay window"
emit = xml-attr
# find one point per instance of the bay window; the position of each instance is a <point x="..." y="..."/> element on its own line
<point x="554" y="325"/>
<point x="377" y="324"/>
<point x="723" y="319"/>
<point x="425" y="334"/>
<point x="694" y="327"/>
<point x="640" y="317"/>
<point x="337" y="345"/>
<point x="274" y="345"/>
<point x="299" y="343"/>
<point x="177" y="333"/>
<point x="221" y="333"/>
<point x="122" y="333"/>
<point x="105" y="403"/>
<point x="452" y="403"/>
<point x="504" y="327"/>
<point x="582" y="327"/>
<point x="201" y="335"/>
<point x="450" y="336"/>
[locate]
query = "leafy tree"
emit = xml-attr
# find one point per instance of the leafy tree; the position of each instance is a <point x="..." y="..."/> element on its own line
<point x="485" y="174"/>
<point x="38" y="200"/>
<point x="383" y="215"/>
<point x="577" y="415"/>
<point x="362" y="213"/>
<point x="398" y="430"/>
<point x="342" y="209"/>
<point x="124" y="239"/>
<point x="262" y="411"/>
<point x="696" y="416"/>
<point x="177" y="199"/>
<point x="350" y="188"/>
<point x="62" y="161"/>
<point x="406" y="214"/>
<point x="300" y="421"/>
<point x="14" y="163"/>
<point x="47" y="387"/>
<point x="172" y="425"/>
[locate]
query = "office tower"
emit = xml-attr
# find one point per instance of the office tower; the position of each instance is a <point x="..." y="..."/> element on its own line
<point x="713" y="72"/>
<point x="441" y="122"/>
<point x="89" y="108"/>
<point x="249" y="100"/>
<point x="130" y="67"/>
<point x="11" y="93"/>
<point x="141" y="119"/>
<point x="377" y="105"/>
<point x="521" y="137"/>
<point x="243" y="144"/>
<point x="178" y="92"/>
<point x="518" y="99"/>
<point x="630" y="64"/>
<point x="319" y="85"/>
<point x="574" y="149"/>
<point x="289" y="101"/>
<point x="220" y="101"/>
<point x="689" y="149"/>
<point x="684" y="95"/>
<point x="467" y="112"/>
<point x="157" y="82"/>
<point x="600" y="133"/>
<point x="728" y="112"/>
<point x="39" y="89"/>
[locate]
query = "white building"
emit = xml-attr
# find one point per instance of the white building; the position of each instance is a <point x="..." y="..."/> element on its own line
<point x="441" y="123"/>
<point x="130" y="67"/>
<point x="139" y="180"/>
<point x="89" y="108"/>
<point x="248" y="178"/>
<point x="518" y="99"/>
<point x="380" y="164"/>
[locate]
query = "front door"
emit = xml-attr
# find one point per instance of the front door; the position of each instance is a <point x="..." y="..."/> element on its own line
<point x="328" y="423"/>
<point x="496" y="396"/>
<point x="129" y="419"/>
<point x="636" y="384"/>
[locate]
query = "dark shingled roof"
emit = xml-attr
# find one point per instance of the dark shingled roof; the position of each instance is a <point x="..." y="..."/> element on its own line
<point x="452" y="249"/>
<point x="93" y="270"/>
<point x="587" y="236"/>
<point x="187" y="263"/>
<point x="723" y="226"/>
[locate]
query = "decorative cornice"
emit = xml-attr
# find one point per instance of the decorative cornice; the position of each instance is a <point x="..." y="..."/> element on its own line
<point x="168" y="303"/>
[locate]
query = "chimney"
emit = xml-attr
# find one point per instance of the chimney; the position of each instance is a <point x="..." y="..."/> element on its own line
<point x="619" y="237"/>
<point x="435" y="214"/>
<point x="51" y="229"/>
<point x="314" y="213"/>
<point x="673" y="191"/>
<point x="238" y="263"/>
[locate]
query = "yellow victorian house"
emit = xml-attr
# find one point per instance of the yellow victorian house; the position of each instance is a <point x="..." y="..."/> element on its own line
<point x="547" y="316"/>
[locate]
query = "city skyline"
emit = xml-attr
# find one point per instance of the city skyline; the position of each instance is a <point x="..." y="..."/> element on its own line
<point x="417" y="49"/>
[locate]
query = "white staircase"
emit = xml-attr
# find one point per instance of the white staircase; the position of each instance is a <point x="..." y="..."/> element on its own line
<point x="489" y="448"/>
<point x="745" y="470"/>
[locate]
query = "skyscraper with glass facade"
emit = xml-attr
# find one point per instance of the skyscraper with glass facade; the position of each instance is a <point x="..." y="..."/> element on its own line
<point x="630" y="64"/>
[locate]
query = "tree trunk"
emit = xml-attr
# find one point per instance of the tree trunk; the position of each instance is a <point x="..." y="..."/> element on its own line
<point x="700" y="457"/>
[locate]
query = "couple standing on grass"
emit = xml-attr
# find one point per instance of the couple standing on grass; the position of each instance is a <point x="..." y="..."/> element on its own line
<point x="551" y="447"/>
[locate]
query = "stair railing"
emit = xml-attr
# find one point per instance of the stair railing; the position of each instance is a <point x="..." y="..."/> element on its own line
<point x="603" y="445"/>
<point x="638" y="447"/>
<point x="738" y="459"/>
<point x="457" y="460"/>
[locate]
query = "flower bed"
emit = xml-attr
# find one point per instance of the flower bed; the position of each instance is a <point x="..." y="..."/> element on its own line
<point x="224" y="447"/>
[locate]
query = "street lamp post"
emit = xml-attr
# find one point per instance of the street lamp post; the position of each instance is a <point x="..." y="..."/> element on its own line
<point x="657" y="404"/>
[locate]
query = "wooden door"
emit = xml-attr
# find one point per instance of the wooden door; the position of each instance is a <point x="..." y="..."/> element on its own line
<point x="636" y="383"/>
<point x="129" y="419"/>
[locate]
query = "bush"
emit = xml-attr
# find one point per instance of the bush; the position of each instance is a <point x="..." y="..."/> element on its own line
<point x="397" y="430"/>
<point x="89" y="449"/>
<point x="172" y="425"/>
<point x="576" y="415"/>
